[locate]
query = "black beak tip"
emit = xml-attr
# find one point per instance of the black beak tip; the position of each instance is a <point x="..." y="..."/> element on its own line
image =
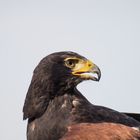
<point x="97" y="79"/>
<point x="99" y="75"/>
<point x="98" y="72"/>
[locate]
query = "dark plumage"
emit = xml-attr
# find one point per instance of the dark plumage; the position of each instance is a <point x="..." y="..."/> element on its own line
<point x="53" y="103"/>
<point x="136" y="116"/>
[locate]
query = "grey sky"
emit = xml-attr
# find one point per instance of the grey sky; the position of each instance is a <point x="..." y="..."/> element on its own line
<point x="105" y="31"/>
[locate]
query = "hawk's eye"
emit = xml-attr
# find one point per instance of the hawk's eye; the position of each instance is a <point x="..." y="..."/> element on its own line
<point x="71" y="63"/>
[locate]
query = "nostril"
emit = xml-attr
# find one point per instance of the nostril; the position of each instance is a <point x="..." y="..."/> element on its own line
<point x="89" y="65"/>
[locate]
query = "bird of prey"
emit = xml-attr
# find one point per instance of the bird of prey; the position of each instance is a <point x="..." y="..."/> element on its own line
<point x="55" y="109"/>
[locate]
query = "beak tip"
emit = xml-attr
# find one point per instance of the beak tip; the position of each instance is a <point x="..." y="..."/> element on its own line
<point x="98" y="72"/>
<point x="99" y="76"/>
<point x="98" y="79"/>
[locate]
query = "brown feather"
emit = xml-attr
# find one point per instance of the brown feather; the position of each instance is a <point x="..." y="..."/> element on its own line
<point x="101" y="131"/>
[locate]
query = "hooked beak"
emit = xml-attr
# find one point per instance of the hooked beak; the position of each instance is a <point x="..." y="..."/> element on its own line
<point x="96" y="70"/>
<point x="87" y="70"/>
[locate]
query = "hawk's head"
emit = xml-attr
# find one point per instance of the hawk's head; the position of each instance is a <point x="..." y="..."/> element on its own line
<point x="55" y="75"/>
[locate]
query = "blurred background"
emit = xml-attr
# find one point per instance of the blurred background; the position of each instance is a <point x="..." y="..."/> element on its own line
<point x="106" y="32"/>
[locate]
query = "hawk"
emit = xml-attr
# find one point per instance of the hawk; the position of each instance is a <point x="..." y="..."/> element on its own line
<point x="55" y="109"/>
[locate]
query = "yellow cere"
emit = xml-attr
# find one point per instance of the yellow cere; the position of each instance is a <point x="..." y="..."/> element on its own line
<point x="82" y="66"/>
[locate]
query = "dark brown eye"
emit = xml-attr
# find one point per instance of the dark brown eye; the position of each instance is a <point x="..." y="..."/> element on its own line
<point x="71" y="63"/>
